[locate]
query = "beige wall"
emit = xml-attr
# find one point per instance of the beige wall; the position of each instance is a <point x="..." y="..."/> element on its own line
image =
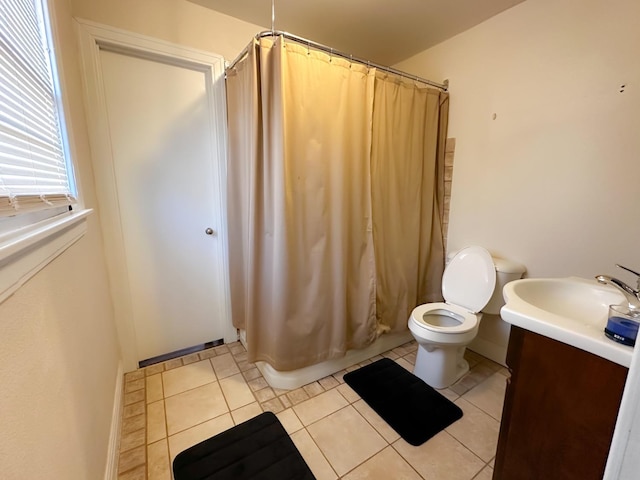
<point x="177" y="21"/>
<point x="553" y="181"/>
<point x="59" y="355"/>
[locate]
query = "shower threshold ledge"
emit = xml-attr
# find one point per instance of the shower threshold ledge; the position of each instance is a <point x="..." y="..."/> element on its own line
<point x="297" y="378"/>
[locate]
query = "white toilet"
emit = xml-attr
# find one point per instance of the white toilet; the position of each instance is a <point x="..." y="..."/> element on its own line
<point x="443" y="330"/>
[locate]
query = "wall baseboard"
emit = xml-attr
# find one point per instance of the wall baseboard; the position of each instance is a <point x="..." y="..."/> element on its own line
<point x="111" y="470"/>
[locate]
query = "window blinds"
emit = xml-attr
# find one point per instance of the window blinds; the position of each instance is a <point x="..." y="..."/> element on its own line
<point x="33" y="167"/>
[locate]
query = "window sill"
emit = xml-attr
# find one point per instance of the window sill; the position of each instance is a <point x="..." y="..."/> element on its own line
<point x="26" y="251"/>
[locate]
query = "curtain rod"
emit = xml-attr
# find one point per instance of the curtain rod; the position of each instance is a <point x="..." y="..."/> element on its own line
<point x="318" y="46"/>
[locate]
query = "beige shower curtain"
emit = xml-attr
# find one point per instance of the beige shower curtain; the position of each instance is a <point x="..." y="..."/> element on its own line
<point x="307" y="144"/>
<point x="299" y="204"/>
<point x="407" y="184"/>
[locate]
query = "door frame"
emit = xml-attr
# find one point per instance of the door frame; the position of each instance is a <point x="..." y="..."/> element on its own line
<point x="92" y="38"/>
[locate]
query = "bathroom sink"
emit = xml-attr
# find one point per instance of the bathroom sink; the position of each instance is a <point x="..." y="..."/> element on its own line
<point x="570" y="310"/>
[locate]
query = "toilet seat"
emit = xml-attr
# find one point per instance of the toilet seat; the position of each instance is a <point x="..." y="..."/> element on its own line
<point x="466" y="320"/>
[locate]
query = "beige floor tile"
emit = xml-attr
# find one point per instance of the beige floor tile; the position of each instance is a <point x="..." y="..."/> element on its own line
<point x="463" y="385"/>
<point x="185" y="378"/>
<point x="156" y="423"/>
<point x="347" y="392"/>
<point x="153" y="369"/>
<point x="449" y="394"/>
<point x="240" y="357"/>
<point x="138" y="473"/>
<point x="133" y="440"/>
<point x="485" y="474"/>
<point x="154" y="388"/>
<point x="339" y="376"/>
<point x="401" y="351"/>
<point x="133" y="409"/>
<point x="173" y="363"/>
<point x="222" y="349"/>
<point x="489" y="395"/>
<point x="313" y="456"/>
<point x="244" y="365"/>
<point x="245" y="413"/>
<point x="187" y="438"/>
<point x="158" y="464"/>
<point x="411" y="358"/>
<point x="133" y="385"/>
<point x="382" y="427"/>
<point x="387" y="464"/>
<point x="476" y="430"/>
<point x="274" y="405"/>
<point x="404" y="364"/>
<point x="192" y="358"/>
<point x="224" y="365"/>
<point x="134" y="397"/>
<point x="251" y="374"/>
<point x="132" y="458"/>
<point x="285" y="401"/>
<point x="195" y="406"/>
<point x="346" y="439"/>
<point x="131" y="424"/>
<point x="264" y="394"/>
<point x="328" y="382"/>
<point x="208" y="353"/>
<point x="390" y="354"/>
<point x="258" y="384"/>
<point x="320" y="406"/>
<point x="297" y="396"/>
<point x="441" y="457"/>
<point x="236" y="391"/>
<point x="313" y="389"/>
<point x="289" y="420"/>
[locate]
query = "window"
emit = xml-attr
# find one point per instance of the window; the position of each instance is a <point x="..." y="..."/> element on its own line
<point x="34" y="171"/>
<point x="37" y="187"/>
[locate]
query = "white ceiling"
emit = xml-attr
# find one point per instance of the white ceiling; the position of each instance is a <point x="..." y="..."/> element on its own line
<point x="381" y="31"/>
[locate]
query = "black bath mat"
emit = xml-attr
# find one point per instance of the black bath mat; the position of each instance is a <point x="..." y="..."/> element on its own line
<point x="258" y="449"/>
<point x="410" y="406"/>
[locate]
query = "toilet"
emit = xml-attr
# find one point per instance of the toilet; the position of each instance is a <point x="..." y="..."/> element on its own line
<point x="472" y="282"/>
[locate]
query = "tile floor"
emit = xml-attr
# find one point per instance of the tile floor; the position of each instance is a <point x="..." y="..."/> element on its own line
<point x="170" y="406"/>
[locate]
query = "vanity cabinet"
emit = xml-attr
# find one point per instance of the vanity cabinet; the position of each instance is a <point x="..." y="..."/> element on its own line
<point x="559" y="413"/>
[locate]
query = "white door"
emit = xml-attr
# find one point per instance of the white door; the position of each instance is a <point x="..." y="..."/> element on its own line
<point x="166" y="165"/>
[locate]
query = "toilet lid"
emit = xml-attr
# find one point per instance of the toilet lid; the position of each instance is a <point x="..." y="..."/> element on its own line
<point x="469" y="279"/>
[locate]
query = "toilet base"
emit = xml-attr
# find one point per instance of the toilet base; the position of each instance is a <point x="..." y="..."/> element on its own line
<point x="440" y="366"/>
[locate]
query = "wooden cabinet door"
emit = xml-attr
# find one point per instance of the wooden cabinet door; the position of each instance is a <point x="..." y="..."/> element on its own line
<point x="560" y="410"/>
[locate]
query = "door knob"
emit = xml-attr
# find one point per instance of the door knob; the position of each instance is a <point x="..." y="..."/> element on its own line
<point x="210" y="231"/>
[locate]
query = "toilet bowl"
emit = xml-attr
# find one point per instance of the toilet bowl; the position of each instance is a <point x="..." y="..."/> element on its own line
<point x="444" y="329"/>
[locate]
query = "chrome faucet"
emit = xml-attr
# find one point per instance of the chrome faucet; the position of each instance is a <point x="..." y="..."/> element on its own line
<point x="633" y="296"/>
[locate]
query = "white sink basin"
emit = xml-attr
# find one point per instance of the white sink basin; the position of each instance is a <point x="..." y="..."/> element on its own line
<point x="571" y="310"/>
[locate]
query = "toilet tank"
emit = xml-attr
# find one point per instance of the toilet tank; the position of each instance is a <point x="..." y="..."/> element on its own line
<point x="506" y="271"/>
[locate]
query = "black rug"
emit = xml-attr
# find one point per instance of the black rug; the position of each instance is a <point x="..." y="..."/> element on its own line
<point x="258" y="449"/>
<point x="410" y="406"/>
